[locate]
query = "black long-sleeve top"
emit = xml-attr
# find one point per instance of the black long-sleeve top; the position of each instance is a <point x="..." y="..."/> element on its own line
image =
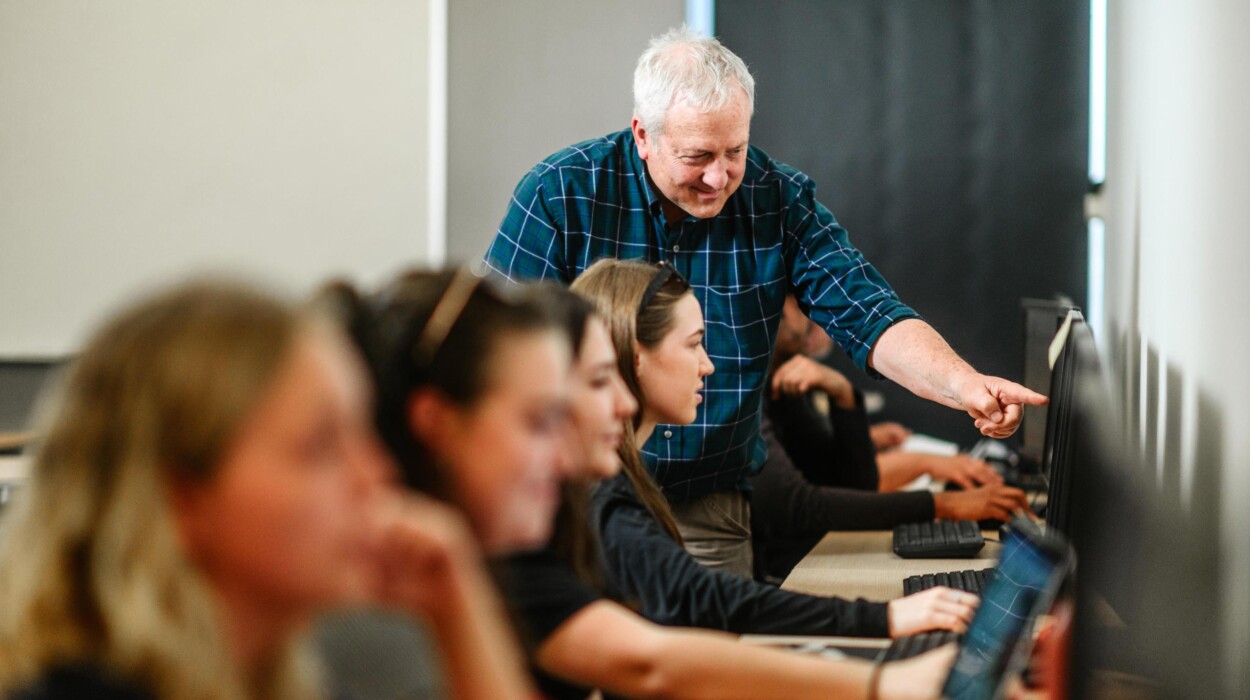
<point x="655" y="573"/>
<point x="793" y="500"/>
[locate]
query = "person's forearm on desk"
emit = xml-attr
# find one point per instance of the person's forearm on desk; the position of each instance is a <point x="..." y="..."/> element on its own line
<point x="915" y="356"/>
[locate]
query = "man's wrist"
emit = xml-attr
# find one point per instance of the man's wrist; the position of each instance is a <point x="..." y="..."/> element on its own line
<point x="960" y="382"/>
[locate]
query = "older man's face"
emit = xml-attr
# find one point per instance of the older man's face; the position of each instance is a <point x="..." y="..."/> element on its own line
<point x="699" y="159"/>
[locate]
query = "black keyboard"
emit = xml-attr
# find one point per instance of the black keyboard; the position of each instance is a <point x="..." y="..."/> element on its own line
<point x="941" y="539"/>
<point x="972" y="581"/>
<point x="916" y="644"/>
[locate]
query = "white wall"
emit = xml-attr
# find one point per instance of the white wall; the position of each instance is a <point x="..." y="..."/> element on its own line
<point x="526" y="78"/>
<point x="1178" y="215"/>
<point x="143" y="139"/>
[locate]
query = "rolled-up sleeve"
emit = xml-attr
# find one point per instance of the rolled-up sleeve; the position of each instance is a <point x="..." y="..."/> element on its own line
<point x="834" y="284"/>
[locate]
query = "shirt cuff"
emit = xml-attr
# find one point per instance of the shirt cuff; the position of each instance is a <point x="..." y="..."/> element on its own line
<point x="901" y="312"/>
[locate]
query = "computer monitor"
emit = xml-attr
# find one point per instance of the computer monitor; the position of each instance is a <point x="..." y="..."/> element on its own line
<point x="1039" y="319"/>
<point x="1077" y="356"/>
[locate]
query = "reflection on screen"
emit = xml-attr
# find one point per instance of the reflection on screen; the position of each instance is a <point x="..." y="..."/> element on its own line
<point x="1007" y="603"/>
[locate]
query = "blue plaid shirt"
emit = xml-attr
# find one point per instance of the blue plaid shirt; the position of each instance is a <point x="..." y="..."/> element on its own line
<point x="594" y="200"/>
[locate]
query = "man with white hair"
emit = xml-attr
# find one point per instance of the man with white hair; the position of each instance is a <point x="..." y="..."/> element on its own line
<point x="683" y="185"/>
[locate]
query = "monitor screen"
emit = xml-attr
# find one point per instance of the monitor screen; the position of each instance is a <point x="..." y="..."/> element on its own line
<point x="1040" y="319"/>
<point x="1028" y="575"/>
<point x="1077" y="351"/>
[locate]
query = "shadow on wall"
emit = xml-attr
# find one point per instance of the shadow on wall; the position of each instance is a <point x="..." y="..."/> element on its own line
<point x="1155" y="558"/>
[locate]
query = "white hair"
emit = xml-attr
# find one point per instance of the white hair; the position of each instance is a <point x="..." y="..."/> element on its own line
<point x="682" y="65"/>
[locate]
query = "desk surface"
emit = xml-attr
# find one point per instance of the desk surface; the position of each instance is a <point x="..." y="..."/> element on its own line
<point x="864" y="565"/>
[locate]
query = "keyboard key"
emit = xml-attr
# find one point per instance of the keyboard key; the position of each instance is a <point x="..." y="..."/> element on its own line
<point x="938" y="539"/>
<point x="971" y="580"/>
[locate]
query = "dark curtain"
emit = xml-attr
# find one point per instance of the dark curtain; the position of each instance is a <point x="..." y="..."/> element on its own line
<point x="950" y="139"/>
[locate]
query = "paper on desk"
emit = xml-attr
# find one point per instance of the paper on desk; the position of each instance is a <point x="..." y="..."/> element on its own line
<point x="924" y="482"/>
<point x="14" y="467"/>
<point x="929" y="445"/>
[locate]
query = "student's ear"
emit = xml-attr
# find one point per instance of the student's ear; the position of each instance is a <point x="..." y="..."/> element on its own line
<point x="193" y="510"/>
<point x="637" y="360"/>
<point x="429" y="416"/>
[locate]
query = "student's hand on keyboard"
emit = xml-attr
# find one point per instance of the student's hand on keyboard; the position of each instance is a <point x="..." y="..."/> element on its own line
<point x="938" y="608"/>
<point x="967" y="472"/>
<point x="992" y="501"/>
<point x="918" y="677"/>
<point x="886" y="436"/>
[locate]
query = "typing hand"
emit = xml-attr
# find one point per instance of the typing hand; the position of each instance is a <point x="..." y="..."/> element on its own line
<point x="968" y="472"/>
<point x="918" y="677"/>
<point x="995" y="403"/>
<point x="888" y="435"/>
<point x="938" y="608"/>
<point x="992" y="501"/>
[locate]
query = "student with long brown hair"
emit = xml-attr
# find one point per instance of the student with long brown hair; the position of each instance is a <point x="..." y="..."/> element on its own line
<point x="657" y="330"/>
<point x="208" y="480"/>
<point x="578" y="638"/>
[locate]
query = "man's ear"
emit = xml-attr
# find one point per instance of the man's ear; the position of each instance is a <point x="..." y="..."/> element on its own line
<point x="642" y="139"/>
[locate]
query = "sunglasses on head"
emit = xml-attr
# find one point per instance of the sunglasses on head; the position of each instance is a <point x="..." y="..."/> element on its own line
<point x="663" y="274"/>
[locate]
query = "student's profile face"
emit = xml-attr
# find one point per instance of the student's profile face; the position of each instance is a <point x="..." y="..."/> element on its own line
<point x="285" y="520"/>
<point x="599" y="405"/>
<point x="698" y="161"/>
<point x="505" y="453"/>
<point x="671" y="374"/>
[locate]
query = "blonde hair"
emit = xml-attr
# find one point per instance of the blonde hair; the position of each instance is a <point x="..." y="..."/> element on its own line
<point x="617" y="288"/>
<point x="92" y="569"/>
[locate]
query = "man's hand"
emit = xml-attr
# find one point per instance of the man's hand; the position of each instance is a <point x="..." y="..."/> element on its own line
<point x="801" y="374"/>
<point x="995" y="404"/>
<point x="913" y="354"/>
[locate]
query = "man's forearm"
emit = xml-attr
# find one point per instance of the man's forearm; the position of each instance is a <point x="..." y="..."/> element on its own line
<point x="914" y="355"/>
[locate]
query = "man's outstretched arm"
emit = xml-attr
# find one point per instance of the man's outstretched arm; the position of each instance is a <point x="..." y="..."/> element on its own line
<point x="912" y="354"/>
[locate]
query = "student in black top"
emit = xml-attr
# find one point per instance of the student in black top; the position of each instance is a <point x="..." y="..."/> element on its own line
<point x="207" y="482"/>
<point x="822" y="471"/>
<point x="803" y="404"/>
<point x="574" y="633"/>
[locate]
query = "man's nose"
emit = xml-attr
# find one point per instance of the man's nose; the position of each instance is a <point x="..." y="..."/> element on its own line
<point x="716" y="175"/>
